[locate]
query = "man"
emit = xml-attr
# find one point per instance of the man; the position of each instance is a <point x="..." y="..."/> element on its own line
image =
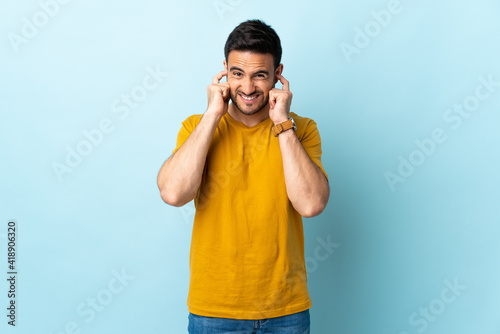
<point x="252" y="175"/>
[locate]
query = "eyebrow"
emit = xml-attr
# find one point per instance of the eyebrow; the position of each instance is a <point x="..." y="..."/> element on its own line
<point x="234" y="68"/>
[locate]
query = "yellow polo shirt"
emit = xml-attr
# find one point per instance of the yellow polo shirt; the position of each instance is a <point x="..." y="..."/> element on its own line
<point x="247" y="247"/>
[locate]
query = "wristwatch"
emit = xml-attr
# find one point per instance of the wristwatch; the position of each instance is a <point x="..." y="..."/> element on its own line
<point x="286" y="125"/>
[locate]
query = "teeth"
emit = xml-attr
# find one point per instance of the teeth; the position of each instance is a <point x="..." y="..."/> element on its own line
<point x="249" y="98"/>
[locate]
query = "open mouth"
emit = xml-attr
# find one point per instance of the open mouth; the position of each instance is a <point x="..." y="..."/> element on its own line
<point x="249" y="99"/>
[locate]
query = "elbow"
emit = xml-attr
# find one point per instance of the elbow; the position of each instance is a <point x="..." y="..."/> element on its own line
<point x="312" y="210"/>
<point x="168" y="193"/>
<point x="168" y="198"/>
<point x="316" y="207"/>
<point x="171" y="198"/>
<point x="174" y="194"/>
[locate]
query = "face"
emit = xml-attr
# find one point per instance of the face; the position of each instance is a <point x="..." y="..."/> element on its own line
<point x="251" y="76"/>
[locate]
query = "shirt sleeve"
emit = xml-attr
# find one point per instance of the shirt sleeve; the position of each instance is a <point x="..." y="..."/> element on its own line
<point x="187" y="127"/>
<point x="311" y="141"/>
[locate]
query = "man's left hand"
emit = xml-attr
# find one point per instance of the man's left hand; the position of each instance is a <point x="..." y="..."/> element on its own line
<point x="280" y="101"/>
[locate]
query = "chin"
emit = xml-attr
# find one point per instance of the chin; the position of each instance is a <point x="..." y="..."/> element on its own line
<point x="249" y="112"/>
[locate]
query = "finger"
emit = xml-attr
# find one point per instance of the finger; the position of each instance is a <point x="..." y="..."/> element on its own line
<point x="272" y="100"/>
<point x="225" y="89"/>
<point x="286" y="84"/>
<point x="219" y="76"/>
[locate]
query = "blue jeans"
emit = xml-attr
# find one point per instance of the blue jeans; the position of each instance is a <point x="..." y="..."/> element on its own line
<point x="297" y="323"/>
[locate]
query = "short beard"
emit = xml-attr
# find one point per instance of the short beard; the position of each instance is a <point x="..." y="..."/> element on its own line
<point x="248" y="113"/>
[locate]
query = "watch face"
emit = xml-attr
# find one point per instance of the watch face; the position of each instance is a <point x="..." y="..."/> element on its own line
<point x="294" y="126"/>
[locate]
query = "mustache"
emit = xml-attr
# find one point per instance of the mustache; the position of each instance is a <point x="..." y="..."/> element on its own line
<point x="256" y="92"/>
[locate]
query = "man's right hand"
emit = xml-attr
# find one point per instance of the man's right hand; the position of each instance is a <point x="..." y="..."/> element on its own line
<point x="180" y="176"/>
<point x="218" y="95"/>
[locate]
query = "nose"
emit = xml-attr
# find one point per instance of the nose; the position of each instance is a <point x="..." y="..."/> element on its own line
<point x="247" y="86"/>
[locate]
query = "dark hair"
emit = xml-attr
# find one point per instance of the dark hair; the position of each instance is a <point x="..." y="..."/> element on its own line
<point x="254" y="36"/>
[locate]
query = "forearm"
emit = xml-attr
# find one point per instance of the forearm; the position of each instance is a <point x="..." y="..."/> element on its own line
<point x="306" y="185"/>
<point x="180" y="176"/>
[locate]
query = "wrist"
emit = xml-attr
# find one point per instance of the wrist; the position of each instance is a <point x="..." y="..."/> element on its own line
<point x="212" y="115"/>
<point x="279" y="117"/>
<point x="280" y="120"/>
<point x="281" y="127"/>
<point x="214" y="112"/>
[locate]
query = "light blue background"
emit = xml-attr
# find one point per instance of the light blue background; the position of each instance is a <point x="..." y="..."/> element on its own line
<point x="393" y="249"/>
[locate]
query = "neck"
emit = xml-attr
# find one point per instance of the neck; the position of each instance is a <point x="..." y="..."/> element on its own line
<point x="248" y="120"/>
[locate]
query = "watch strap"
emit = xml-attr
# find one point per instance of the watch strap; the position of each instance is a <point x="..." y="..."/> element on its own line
<point x="286" y="125"/>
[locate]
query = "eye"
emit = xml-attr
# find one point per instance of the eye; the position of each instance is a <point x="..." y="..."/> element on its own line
<point x="236" y="74"/>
